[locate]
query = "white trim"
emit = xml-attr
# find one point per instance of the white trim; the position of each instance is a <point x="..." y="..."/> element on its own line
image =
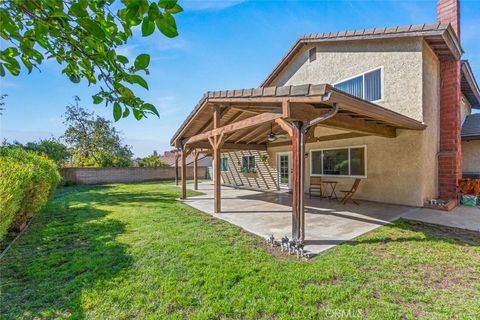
<point x="289" y="154"/>
<point x="382" y="80"/>
<point x="349" y="169"/>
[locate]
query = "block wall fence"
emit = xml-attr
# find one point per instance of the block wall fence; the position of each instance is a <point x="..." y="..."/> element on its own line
<point x="125" y="175"/>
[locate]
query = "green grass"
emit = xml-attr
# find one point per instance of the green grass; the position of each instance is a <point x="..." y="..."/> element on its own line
<point x="133" y="251"/>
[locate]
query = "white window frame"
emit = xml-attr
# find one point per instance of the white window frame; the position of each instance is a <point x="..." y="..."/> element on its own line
<point x="349" y="169"/>
<point x="382" y="82"/>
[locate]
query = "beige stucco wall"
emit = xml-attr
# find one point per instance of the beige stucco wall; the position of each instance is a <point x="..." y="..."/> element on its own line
<point x="471" y="156"/>
<point x="336" y="61"/>
<point x="402" y="170"/>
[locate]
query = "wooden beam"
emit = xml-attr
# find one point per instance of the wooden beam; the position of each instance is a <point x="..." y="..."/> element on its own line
<point x="298" y="178"/>
<point x="176" y="167"/>
<point x="341" y="136"/>
<point x="307" y="112"/>
<point x="184" y="173"/>
<point x="285" y="125"/>
<point x="261" y="135"/>
<point x="231" y="146"/>
<point x="195" y="169"/>
<point x="255" y="132"/>
<point x="215" y="141"/>
<point x="243" y="124"/>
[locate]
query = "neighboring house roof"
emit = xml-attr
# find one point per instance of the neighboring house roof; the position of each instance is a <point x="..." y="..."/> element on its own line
<point x="470" y="86"/>
<point x="471" y="127"/>
<point x="203" y="159"/>
<point x="440" y="37"/>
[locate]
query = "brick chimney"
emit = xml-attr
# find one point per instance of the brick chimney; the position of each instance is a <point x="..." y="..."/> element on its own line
<point x="450" y="153"/>
<point x="448" y="11"/>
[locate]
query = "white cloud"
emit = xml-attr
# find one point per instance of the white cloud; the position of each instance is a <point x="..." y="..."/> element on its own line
<point x="197" y="5"/>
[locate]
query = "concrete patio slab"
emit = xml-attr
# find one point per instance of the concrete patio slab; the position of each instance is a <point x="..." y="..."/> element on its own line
<point x="327" y="223"/>
<point x="462" y="217"/>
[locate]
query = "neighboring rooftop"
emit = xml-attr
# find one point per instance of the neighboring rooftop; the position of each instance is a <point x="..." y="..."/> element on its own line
<point x="440" y="37"/>
<point x="471" y="127"/>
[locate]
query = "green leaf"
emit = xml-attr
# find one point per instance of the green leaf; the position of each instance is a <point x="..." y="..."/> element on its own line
<point x="2" y="70"/>
<point x="148" y="27"/>
<point x="166" y="24"/>
<point x="117" y="111"/>
<point x="13" y="66"/>
<point x="97" y="99"/>
<point x="126" y="92"/>
<point x="92" y="27"/>
<point x="142" y="61"/>
<point x="150" y="107"/>
<point x="175" y="9"/>
<point x="77" y="10"/>
<point x="153" y="11"/>
<point x="75" y="78"/>
<point x="122" y="59"/>
<point x="27" y="63"/>
<point x="167" y="4"/>
<point x="126" y="112"/>
<point x="134" y="78"/>
<point x="137" y="114"/>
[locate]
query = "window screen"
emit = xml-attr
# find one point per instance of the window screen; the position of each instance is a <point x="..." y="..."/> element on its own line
<point x="367" y="86"/>
<point x="224" y="164"/>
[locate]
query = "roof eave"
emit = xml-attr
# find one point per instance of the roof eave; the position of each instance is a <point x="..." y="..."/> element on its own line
<point x="472" y="82"/>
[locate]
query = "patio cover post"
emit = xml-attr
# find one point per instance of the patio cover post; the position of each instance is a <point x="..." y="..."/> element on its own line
<point x="184" y="173"/>
<point x="298" y="177"/>
<point x="176" y="167"/>
<point x="195" y="169"/>
<point x="216" y="143"/>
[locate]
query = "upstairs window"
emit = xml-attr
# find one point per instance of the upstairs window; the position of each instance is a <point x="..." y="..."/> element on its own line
<point x="367" y="86"/>
<point x="248" y="164"/>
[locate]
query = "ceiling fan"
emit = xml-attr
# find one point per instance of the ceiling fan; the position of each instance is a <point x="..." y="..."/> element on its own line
<point x="272" y="136"/>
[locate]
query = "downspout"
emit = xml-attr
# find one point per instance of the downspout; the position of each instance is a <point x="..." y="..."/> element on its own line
<point x="300" y="167"/>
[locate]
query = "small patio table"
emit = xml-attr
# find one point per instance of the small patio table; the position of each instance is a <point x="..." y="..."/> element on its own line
<point x="333" y="185"/>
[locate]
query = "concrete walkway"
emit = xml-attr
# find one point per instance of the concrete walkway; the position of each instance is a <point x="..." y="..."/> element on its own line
<point x="327" y="223"/>
<point x="462" y="217"/>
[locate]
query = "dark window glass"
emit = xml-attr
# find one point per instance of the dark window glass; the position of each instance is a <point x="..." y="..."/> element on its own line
<point x="316" y="162"/>
<point x="248" y="164"/>
<point x="312" y="54"/>
<point x="335" y="162"/>
<point x="357" y="161"/>
<point x="224" y="164"/>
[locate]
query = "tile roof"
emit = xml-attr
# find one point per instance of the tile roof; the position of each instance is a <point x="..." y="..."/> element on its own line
<point x="471" y="127"/>
<point x="436" y="31"/>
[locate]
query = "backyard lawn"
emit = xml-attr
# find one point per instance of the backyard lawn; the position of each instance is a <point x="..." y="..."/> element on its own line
<point x="133" y="251"/>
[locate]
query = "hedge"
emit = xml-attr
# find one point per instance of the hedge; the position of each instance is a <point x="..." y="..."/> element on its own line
<point x="27" y="180"/>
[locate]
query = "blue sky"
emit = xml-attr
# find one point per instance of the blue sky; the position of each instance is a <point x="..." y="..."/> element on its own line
<point x="222" y="45"/>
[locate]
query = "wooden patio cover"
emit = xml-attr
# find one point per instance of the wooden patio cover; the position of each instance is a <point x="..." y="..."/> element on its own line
<point x="242" y="119"/>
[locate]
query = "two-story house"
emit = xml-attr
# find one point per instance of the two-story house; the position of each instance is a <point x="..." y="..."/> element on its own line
<point x="385" y="105"/>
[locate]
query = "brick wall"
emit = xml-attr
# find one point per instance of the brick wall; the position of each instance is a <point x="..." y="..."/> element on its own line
<point x="125" y="175"/>
<point x="450" y="155"/>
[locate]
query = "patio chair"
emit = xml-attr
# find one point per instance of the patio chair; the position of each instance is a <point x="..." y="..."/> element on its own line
<point x="315" y="186"/>
<point x="349" y="193"/>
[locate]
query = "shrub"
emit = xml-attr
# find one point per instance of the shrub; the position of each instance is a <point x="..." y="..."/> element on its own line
<point x="27" y="180"/>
